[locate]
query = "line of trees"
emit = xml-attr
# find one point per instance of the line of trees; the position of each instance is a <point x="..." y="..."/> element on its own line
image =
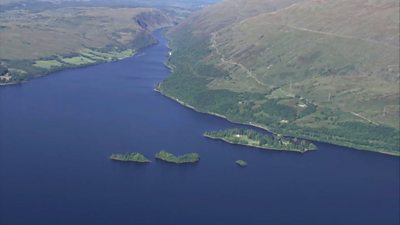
<point x="243" y="136"/>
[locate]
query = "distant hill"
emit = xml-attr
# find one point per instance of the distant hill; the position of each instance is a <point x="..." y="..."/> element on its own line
<point x="42" y="4"/>
<point x="42" y="36"/>
<point x="326" y="70"/>
<point x="34" y="43"/>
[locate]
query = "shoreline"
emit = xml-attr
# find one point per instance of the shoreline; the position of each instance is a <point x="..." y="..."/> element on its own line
<point x="60" y="69"/>
<point x="259" y="147"/>
<point x="71" y="67"/>
<point x="157" y="89"/>
<point x="11" y="83"/>
<point x="171" y="68"/>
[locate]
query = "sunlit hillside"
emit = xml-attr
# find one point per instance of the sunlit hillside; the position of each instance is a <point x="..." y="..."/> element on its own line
<point x="327" y="70"/>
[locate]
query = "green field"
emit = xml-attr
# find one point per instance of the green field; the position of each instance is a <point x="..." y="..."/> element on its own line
<point x="82" y="58"/>
<point x="47" y="64"/>
<point x="77" y="60"/>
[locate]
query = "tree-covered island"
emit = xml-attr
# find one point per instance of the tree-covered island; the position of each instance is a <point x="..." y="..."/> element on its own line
<point x="171" y="158"/>
<point x="255" y="139"/>
<point x="130" y="157"/>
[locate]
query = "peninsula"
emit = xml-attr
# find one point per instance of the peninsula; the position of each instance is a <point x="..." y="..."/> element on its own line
<point x="171" y="158"/>
<point x="255" y="139"/>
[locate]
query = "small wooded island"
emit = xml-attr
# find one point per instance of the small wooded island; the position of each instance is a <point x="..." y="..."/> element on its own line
<point x="241" y="163"/>
<point x="130" y="157"/>
<point x="255" y="139"/>
<point x="171" y="158"/>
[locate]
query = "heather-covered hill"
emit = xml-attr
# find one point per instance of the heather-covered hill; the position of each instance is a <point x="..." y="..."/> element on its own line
<point x="325" y="70"/>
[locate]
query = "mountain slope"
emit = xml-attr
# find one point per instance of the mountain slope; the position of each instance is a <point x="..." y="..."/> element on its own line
<point x="323" y="70"/>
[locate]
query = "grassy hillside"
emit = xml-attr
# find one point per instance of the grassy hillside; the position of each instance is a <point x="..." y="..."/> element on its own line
<point x="35" y="43"/>
<point x="323" y="70"/>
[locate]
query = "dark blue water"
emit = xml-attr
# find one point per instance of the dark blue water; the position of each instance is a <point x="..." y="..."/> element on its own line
<point x="57" y="132"/>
